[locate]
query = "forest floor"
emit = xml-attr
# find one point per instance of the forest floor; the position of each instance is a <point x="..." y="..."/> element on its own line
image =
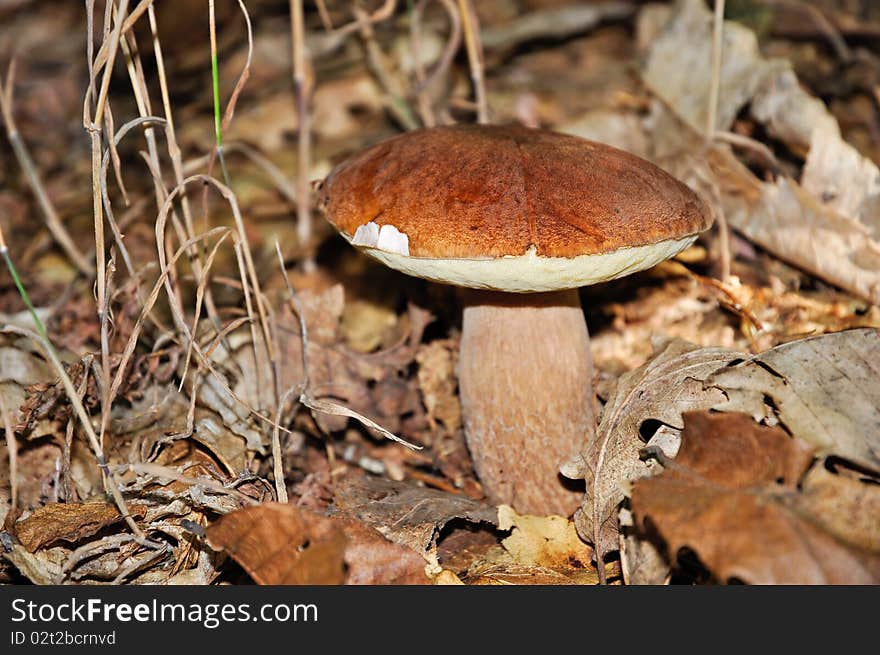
<point x="738" y="383"/>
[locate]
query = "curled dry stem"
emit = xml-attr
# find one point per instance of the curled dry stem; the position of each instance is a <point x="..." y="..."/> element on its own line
<point x="306" y="396"/>
<point x="395" y="101"/>
<point x="200" y="294"/>
<point x="453" y="43"/>
<point x="12" y="452"/>
<point x="176" y="307"/>
<point x="143" y="121"/>
<point x="382" y="13"/>
<point x="150" y="301"/>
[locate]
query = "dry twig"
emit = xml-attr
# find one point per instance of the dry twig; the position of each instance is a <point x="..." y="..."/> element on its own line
<point x="303" y="82"/>
<point x="423" y="81"/>
<point x="475" y="57"/>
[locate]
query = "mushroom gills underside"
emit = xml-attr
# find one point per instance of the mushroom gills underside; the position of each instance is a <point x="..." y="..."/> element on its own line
<point x="531" y="273"/>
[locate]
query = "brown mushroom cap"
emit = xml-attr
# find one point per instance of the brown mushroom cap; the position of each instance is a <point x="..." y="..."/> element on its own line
<point x="511" y="208"/>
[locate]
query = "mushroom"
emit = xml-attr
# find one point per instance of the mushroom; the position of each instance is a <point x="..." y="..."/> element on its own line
<point x="520" y="218"/>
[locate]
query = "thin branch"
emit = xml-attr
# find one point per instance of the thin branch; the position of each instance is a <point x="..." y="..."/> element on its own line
<point x="453" y="42"/>
<point x="715" y="84"/>
<point x="325" y="15"/>
<point x="395" y="102"/>
<point x="302" y="86"/>
<point x="12" y="452"/>
<point x="382" y="13"/>
<point x="475" y="57"/>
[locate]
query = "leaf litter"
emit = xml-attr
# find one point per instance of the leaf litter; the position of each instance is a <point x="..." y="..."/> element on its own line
<point x="755" y="505"/>
<point x="722" y="387"/>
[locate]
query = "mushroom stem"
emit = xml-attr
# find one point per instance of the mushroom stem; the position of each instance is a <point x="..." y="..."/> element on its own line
<point x="526" y="385"/>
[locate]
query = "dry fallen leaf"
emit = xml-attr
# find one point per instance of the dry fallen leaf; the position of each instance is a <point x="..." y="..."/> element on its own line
<point x="279" y="544"/>
<point x="641" y="561"/>
<point x="42" y="568"/>
<point x="282" y="544"/>
<point x="738" y="496"/>
<point x="406" y="513"/>
<point x="827" y="223"/>
<point x="550" y="541"/>
<point x="823" y="390"/>
<point x="371" y="559"/>
<point x="793" y="224"/>
<point x="539" y="550"/>
<point x="68" y="522"/>
<point x="19" y="368"/>
<point x="659" y="391"/>
<point x="679" y="66"/>
<point x="438" y="384"/>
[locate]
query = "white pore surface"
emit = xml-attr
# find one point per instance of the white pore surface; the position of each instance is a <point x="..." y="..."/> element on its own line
<point x="387" y="238"/>
<point x="529" y="273"/>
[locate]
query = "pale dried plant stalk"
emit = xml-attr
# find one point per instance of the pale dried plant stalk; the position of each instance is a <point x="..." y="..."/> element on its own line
<point x="715" y="86"/>
<point x="110" y="128"/>
<point x="712" y="127"/>
<point x="167" y="473"/>
<point x="12" y="452"/>
<point x="91" y="549"/>
<point x="174" y="299"/>
<point x="140" y="563"/>
<point x="66" y="478"/>
<point x="325" y="15"/>
<point x="142" y="100"/>
<point x="128" y="22"/>
<point x="145" y="121"/>
<point x="173" y="147"/>
<point x="471" y="28"/>
<point x="149" y="303"/>
<point x="93" y="127"/>
<point x="296" y="392"/>
<point x="221" y="127"/>
<point x="302" y="86"/>
<point x="112" y="47"/>
<point x="245" y="74"/>
<point x="259" y="361"/>
<point x="148" y="122"/>
<point x="382" y="13"/>
<point x="200" y="295"/>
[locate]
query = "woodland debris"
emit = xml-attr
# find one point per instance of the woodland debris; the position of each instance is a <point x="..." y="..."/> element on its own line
<point x="406" y="513"/>
<point x="280" y="544"/>
<point x="539" y="550"/>
<point x="754" y="506"/>
<point x="70" y="522"/>
<point x="829" y="229"/>
<point x="656" y="393"/>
